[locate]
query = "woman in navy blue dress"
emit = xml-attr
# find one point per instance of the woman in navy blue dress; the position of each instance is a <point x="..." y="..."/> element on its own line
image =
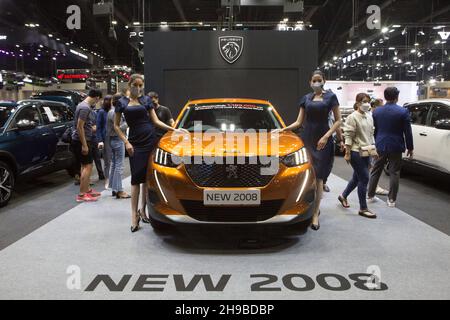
<point x="317" y="135"/>
<point x="141" y="119"/>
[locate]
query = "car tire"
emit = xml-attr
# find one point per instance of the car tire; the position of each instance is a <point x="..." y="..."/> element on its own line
<point x="7" y="174"/>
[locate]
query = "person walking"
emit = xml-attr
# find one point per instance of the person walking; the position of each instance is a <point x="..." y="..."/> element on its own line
<point x="141" y="118"/>
<point x="337" y="139"/>
<point x="82" y="145"/>
<point x="393" y="136"/>
<point x="317" y="134"/>
<point x="117" y="151"/>
<point x="102" y="138"/>
<point x="359" y="147"/>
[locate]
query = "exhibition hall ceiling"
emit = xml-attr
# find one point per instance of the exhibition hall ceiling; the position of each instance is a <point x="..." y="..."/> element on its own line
<point x="334" y="20"/>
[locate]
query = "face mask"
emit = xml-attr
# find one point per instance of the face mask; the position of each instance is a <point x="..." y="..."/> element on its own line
<point x="135" y="92"/>
<point x="317" y="86"/>
<point x="365" y="107"/>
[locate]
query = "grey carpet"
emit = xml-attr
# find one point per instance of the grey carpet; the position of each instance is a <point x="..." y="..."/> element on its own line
<point x="413" y="257"/>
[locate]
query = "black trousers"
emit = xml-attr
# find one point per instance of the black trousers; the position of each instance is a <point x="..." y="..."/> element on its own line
<point x="97" y="160"/>
<point x="395" y="165"/>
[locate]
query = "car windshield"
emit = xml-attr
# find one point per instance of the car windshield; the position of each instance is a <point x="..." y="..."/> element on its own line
<point x="5" y="113"/>
<point x="229" y="117"/>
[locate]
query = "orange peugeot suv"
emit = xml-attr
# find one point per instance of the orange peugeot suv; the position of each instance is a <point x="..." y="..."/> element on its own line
<point x="232" y="168"/>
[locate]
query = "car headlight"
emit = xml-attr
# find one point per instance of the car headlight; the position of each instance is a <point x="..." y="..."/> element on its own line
<point x="296" y="159"/>
<point x="164" y="158"/>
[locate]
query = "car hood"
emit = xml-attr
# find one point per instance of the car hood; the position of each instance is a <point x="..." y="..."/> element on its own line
<point x="259" y="144"/>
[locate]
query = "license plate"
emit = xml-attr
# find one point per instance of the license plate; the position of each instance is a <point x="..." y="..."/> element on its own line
<point x="231" y="198"/>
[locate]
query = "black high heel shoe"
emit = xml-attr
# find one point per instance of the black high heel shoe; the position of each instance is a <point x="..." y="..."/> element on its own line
<point x="143" y="217"/>
<point x="136" y="227"/>
<point x="316" y="227"/>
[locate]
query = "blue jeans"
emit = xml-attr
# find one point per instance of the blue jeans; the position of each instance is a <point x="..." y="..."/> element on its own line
<point x="360" y="178"/>
<point x="117" y="158"/>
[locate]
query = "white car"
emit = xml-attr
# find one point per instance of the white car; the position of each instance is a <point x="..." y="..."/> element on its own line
<point x="430" y="120"/>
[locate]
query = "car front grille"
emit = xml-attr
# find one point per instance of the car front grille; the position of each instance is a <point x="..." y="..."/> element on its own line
<point x="200" y="212"/>
<point x="229" y="175"/>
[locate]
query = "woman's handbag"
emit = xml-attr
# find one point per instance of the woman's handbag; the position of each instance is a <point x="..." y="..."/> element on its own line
<point x="368" y="151"/>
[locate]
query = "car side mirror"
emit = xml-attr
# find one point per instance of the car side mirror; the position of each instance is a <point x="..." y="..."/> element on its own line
<point x="25" y="124"/>
<point x="442" y="124"/>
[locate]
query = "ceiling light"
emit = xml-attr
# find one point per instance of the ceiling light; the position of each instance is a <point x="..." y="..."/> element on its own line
<point x="384" y="30"/>
<point x="136" y="23"/>
<point x="114" y="22"/>
<point x="285" y="19"/>
<point x="164" y="23"/>
<point x="396" y="26"/>
<point x="363" y="42"/>
<point x="437" y="42"/>
<point x="50" y="36"/>
<point x="438" y="27"/>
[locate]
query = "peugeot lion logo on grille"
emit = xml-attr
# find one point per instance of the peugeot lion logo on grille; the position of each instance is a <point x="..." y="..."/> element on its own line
<point x="232" y="172"/>
<point x="231" y="48"/>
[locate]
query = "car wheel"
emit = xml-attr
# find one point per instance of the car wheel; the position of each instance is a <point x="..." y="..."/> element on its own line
<point x="6" y="183"/>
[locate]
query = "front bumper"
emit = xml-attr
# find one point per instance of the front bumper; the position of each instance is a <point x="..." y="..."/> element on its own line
<point x="171" y="189"/>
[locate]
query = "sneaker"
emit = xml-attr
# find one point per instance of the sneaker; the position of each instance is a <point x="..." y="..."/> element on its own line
<point x="371" y="200"/>
<point x="86" y="198"/>
<point x="381" y="192"/>
<point x="391" y="204"/>
<point x="326" y="188"/>
<point x="94" y="193"/>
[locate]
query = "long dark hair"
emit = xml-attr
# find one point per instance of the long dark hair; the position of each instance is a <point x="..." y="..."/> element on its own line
<point x="106" y="106"/>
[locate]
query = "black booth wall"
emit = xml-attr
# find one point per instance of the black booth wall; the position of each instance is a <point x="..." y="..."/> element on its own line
<point x="274" y="66"/>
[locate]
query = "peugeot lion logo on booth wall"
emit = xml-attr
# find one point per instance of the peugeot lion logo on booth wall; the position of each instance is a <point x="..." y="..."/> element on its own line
<point x="231" y="47"/>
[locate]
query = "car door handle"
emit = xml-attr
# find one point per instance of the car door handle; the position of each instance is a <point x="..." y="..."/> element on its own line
<point x="423" y="134"/>
<point x="46" y="134"/>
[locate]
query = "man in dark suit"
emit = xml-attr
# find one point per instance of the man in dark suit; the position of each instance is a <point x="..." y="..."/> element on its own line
<point x="393" y="135"/>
